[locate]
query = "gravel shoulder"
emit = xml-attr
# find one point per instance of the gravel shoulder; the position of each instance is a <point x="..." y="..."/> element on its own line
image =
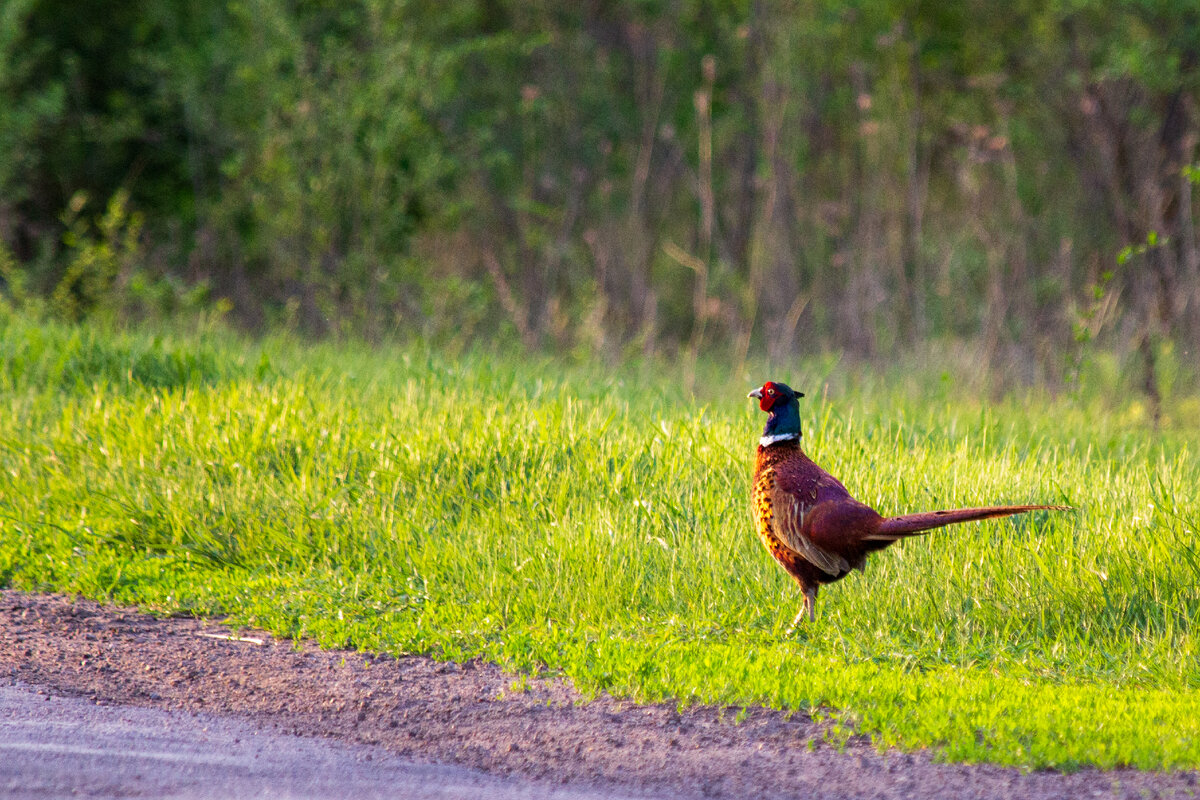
<point x="471" y="716"/>
<point x="69" y="747"/>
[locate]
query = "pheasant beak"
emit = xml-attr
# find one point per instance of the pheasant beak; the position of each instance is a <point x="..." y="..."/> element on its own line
<point x="756" y="394"/>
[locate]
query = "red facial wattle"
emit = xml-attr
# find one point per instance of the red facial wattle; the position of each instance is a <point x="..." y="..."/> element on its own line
<point x="769" y="395"/>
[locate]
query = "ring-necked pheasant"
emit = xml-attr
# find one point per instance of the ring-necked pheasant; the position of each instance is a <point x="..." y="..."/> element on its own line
<point x="807" y="519"/>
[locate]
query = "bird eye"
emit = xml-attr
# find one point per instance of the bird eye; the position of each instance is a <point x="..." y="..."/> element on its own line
<point x="770" y="391"/>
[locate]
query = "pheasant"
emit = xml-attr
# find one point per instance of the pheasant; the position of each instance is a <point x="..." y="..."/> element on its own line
<point x="807" y="519"/>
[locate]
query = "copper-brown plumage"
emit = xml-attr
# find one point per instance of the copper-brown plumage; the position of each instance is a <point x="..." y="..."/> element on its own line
<point x="807" y="519"/>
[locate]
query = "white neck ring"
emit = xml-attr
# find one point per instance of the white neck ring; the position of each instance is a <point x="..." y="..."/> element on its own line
<point x="778" y="437"/>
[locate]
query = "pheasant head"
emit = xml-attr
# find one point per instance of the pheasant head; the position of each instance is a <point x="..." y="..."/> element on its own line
<point x="782" y="404"/>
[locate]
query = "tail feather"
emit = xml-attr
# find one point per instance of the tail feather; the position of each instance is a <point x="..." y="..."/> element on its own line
<point x="894" y="528"/>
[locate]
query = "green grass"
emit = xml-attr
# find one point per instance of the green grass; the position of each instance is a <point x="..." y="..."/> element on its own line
<point x="594" y="522"/>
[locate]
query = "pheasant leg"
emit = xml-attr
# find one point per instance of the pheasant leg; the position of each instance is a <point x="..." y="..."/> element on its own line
<point x="809" y="608"/>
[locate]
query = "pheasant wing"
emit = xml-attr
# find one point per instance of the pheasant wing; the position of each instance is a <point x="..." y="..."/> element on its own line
<point x="788" y="523"/>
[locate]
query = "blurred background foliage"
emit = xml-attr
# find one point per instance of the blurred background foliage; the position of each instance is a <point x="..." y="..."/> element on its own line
<point x="617" y="177"/>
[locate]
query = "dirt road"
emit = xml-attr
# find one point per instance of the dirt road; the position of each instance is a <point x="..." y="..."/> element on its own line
<point x="468" y="716"/>
<point x="67" y="746"/>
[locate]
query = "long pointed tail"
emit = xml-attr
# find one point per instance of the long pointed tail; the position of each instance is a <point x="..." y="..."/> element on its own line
<point x="894" y="528"/>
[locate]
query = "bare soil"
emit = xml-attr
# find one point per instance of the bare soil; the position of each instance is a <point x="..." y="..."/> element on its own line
<point x="473" y="715"/>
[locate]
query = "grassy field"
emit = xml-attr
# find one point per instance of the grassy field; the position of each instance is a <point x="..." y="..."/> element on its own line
<point x="593" y="522"/>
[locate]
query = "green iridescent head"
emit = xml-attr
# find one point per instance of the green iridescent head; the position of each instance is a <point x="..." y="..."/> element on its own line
<point x="782" y="404"/>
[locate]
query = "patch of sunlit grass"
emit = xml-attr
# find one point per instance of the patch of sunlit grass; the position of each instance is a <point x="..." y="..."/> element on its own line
<point x="594" y="522"/>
